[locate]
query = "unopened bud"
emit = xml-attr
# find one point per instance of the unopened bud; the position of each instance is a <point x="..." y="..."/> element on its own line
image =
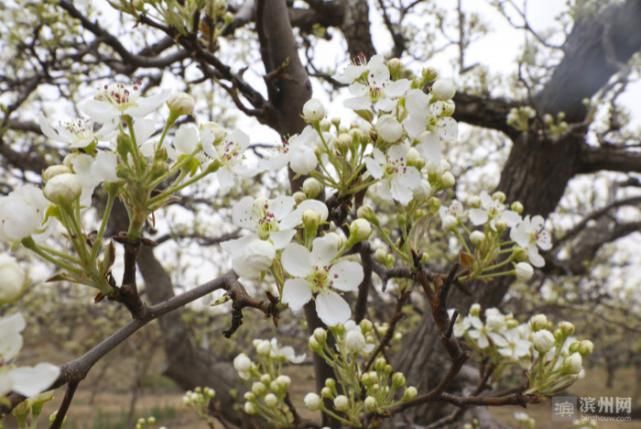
<point x="312" y="187"/>
<point x="359" y="230"/>
<point x="523" y="271"/>
<point x="63" y="189"/>
<point x="313" y="401"/>
<point x="53" y="171"/>
<point x="181" y="104"/>
<point x="341" y="403"/>
<point x="477" y="237"/>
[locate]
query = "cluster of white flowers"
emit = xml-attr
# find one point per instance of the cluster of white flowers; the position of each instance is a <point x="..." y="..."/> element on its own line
<point x="491" y="253"/>
<point x="198" y="400"/>
<point x="550" y="355"/>
<point x="357" y="389"/>
<point x="269" y="386"/>
<point x="27" y="381"/>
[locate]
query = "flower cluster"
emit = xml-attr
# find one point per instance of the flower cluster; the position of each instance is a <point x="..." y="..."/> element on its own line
<point x="519" y="118"/>
<point x="551" y="357"/>
<point x="27" y="381"/>
<point x="489" y="253"/>
<point x="268" y="395"/>
<point x="198" y="400"/>
<point x="357" y="389"/>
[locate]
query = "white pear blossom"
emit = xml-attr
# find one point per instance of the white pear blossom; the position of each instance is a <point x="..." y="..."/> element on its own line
<point x="398" y="179"/>
<point x="268" y="219"/>
<point x="26" y="381"/>
<point x="443" y="89"/>
<point x="494" y="211"/>
<point x="63" y="189"/>
<point x="451" y="215"/>
<point x="285" y="353"/>
<point x="187" y="139"/>
<point x="388" y="128"/>
<point x="116" y="99"/>
<point x="250" y="256"/>
<point x="531" y="235"/>
<point x="377" y="90"/>
<point x="316" y="275"/>
<point x="230" y="152"/>
<point x="22" y="213"/>
<point x="92" y="171"/>
<point x="13" y="279"/>
<point x="299" y="151"/>
<point x="77" y="134"/>
<point x="313" y="111"/>
<point x="421" y="118"/>
<point x="516" y="346"/>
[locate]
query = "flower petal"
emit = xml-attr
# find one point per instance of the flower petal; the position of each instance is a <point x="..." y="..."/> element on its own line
<point x="296" y="293"/>
<point x="346" y="275"/>
<point x="324" y="249"/>
<point x="296" y="260"/>
<point x="332" y="309"/>
<point x="31" y="381"/>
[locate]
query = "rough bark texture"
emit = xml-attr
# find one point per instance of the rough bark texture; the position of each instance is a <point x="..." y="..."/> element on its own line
<point x="537" y="170"/>
<point x="356" y="28"/>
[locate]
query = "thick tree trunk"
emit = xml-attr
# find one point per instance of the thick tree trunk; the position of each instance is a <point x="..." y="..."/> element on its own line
<point x="537" y="171"/>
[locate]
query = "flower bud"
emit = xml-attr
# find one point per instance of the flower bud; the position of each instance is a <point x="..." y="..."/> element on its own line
<point x="586" y="347"/>
<point x="543" y="340"/>
<point x="573" y="364"/>
<point x="263" y="347"/>
<point x="359" y="230"/>
<point x="499" y="196"/>
<point x="475" y="309"/>
<point x="523" y="271"/>
<point x="250" y="408"/>
<point x="299" y="197"/>
<point x="538" y="321"/>
<point x="13" y="279"/>
<point x="366" y="326"/>
<point x="443" y="89"/>
<point x="567" y="328"/>
<point x="258" y="388"/>
<point x="181" y="104"/>
<point x="312" y="187"/>
<point x="343" y="141"/>
<point x="331" y="383"/>
<point x="398" y="380"/>
<point x="313" y="111"/>
<point x="249" y="396"/>
<point x="341" y="403"/>
<point x="325" y="125"/>
<point x="517" y="207"/>
<point x="320" y="335"/>
<point x="311" y="219"/>
<point x="370" y="403"/>
<point x="355" y="341"/>
<point x="447" y="179"/>
<point x="326" y="392"/>
<point x="53" y="171"/>
<point x="389" y="129"/>
<point x="271" y="400"/>
<point x="409" y="394"/>
<point x="414" y="159"/>
<point x="313" y="344"/>
<point x="313" y="401"/>
<point x="477" y="237"/>
<point x="265" y="378"/>
<point x="63" y="189"/>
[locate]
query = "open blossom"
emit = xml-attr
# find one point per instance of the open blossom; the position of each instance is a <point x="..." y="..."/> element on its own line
<point x="27" y="381"/>
<point x="22" y="213"/>
<point x="116" y="99"/>
<point x="399" y="180"/>
<point x="451" y="215"/>
<point x="421" y="117"/>
<point x="316" y="275"/>
<point x="531" y="235"/>
<point x="77" y="134"/>
<point x="250" y="256"/>
<point x="517" y="345"/>
<point x="299" y="152"/>
<point x="494" y="211"/>
<point x="378" y="89"/>
<point x="92" y="171"/>
<point x="275" y="351"/>
<point x="266" y="218"/>
<point x="230" y="152"/>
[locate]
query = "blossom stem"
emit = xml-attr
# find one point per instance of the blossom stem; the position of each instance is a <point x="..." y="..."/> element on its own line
<point x="111" y="198"/>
